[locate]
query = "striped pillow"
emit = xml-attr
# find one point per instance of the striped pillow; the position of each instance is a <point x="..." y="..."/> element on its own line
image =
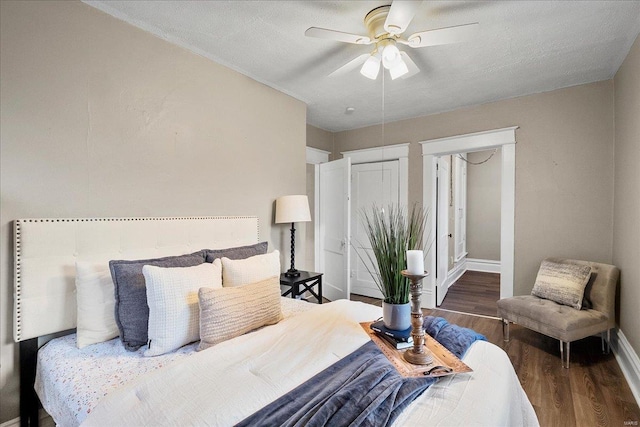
<point x="227" y="313"/>
<point x="563" y="283"/>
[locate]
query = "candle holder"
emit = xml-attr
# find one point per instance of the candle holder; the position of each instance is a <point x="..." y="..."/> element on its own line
<point x="419" y="354"/>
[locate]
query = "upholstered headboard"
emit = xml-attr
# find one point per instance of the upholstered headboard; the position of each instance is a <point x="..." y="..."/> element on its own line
<point x="45" y="252"/>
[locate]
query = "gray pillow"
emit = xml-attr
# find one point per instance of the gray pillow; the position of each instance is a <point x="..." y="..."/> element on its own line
<point x="240" y="252"/>
<point x="562" y="282"/>
<point x="132" y="311"/>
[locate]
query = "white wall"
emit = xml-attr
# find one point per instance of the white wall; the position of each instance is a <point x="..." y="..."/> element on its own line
<point x="98" y="118"/>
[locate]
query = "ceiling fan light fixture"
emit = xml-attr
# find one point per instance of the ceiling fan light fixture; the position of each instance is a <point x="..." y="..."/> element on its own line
<point x="398" y="70"/>
<point x="390" y="55"/>
<point x="371" y="66"/>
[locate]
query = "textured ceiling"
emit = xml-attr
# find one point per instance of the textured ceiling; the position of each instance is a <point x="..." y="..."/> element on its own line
<point x="523" y="47"/>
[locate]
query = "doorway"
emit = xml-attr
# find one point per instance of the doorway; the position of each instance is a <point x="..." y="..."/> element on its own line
<point x="372" y="184"/>
<point x="431" y="150"/>
<point x="470" y="208"/>
<point x="389" y="160"/>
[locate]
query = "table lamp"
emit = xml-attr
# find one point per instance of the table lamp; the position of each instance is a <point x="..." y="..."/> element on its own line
<point x="292" y="209"/>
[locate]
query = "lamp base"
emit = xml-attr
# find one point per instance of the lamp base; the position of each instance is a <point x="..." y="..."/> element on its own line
<point x="292" y="272"/>
<point x="417" y="358"/>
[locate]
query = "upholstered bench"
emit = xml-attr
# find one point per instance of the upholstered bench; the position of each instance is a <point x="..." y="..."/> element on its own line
<point x="563" y="322"/>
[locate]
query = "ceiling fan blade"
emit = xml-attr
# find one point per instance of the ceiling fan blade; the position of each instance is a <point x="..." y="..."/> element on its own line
<point x="413" y="68"/>
<point x="323" y="33"/>
<point x="457" y="34"/>
<point x="400" y="15"/>
<point x="351" y="65"/>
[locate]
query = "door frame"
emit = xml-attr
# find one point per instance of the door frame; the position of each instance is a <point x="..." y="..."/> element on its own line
<point x="315" y="156"/>
<point x="434" y="148"/>
<point x="398" y="152"/>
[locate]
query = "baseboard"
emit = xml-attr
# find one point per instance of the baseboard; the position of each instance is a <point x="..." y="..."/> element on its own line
<point x="45" y="421"/>
<point x="456" y="272"/>
<point x="483" y="265"/>
<point x="628" y="360"/>
<point x="11" y="423"/>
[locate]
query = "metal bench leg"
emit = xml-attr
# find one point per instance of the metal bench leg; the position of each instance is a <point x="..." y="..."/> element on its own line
<point x="562" y="359"/>
<point x="562" y="352"/>
<point x="608" y="350"/>
<point x="505" y="330"/>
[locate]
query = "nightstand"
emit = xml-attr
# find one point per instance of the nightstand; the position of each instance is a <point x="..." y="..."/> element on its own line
<point x="305" y="282"/>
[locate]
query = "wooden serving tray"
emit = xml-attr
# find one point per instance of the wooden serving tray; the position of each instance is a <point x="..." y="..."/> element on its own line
<point x="449" y="363"/>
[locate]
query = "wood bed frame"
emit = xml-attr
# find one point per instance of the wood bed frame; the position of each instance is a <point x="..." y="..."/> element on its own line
<point x="45" y="252"/>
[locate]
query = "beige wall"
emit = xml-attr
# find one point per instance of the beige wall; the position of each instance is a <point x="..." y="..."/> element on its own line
<point x="319" y="138"/>
<point x="564" y="168"/>
<point x="99" y="118"/>
<point x="483" y="205"/>
<point x="626" y="217"/>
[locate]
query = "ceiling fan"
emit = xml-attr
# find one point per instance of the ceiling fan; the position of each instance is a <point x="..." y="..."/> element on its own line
<point x="385" y="25"/>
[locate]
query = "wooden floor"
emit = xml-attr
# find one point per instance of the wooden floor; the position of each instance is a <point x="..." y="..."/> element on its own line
<point x="475" y="292"/>
<point x="592" y="392"/>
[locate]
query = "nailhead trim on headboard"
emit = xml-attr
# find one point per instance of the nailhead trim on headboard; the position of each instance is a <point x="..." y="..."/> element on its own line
<point x="16" y="280"/>
<point x="18" y="309"/>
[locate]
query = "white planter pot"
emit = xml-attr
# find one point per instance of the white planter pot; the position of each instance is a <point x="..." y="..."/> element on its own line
<point x="396" y="316"/>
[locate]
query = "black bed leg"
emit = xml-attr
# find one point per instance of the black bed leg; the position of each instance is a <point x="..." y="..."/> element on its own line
<point x="29" y="403"/>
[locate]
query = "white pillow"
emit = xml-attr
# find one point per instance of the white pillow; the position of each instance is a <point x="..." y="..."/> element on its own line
<point x="172" y="296"/>
<point x="238" y="272"/>
<point x="96" y="321"/>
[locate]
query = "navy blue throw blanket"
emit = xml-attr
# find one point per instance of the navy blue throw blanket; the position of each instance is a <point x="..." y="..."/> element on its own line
<point x="362" y="389"/>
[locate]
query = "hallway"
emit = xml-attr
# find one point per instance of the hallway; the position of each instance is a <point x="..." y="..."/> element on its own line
<point x="474" y="293"/>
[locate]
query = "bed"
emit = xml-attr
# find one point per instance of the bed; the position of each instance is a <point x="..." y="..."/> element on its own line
<point x="103" y="383"/>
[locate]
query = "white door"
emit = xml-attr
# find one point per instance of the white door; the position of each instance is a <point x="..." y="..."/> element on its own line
<point x="371" y="184"/>
<point x="442" y="229"/>
<point x="334" y="228"/>
<point x="460" y="204"/>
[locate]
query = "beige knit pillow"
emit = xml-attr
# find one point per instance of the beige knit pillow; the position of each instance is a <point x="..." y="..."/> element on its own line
<point x="230" y="312"/>
<point x="563" y="283"/>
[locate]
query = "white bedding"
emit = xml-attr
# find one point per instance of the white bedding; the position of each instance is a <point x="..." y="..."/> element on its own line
<point x="263" y="365"/>
<point x="70" y="382"/>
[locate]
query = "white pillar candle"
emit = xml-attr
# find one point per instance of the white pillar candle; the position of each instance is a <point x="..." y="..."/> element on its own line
<point x="415" y="262"/>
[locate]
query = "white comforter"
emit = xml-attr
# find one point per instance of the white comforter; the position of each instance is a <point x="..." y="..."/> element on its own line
<point x="232" y="380"/>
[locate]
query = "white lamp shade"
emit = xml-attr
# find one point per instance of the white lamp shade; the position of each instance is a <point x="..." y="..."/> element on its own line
<point x="398" y="70"/>
<point x="390" y="56"/>
<point x="292" y="209"/>
<point x="371" y="67"/>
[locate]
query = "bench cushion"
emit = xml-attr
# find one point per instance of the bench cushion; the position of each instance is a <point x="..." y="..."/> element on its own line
<point x="552" y="319"/>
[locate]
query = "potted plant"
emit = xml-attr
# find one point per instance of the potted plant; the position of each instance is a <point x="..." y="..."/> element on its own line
<point x="392" y="232"/>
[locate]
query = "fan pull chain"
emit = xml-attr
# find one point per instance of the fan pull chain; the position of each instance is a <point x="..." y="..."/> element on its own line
<point x="383" y="118"/>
